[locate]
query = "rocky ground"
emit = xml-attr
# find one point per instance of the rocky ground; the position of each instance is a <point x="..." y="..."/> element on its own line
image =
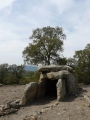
<point x="72" y="108"/>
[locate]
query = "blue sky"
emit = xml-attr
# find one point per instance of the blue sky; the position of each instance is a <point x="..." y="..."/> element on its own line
<point x="19" y="17"/>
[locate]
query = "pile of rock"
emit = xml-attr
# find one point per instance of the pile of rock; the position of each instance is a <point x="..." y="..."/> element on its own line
<point x="10" y="107"/>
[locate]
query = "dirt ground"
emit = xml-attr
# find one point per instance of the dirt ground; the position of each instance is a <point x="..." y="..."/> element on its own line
<point x="72" y="108"/>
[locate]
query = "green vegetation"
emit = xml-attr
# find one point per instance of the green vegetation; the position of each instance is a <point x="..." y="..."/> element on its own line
<point x="45" y="46"/>
<point x="31" y="76"/>
<point x="13" y="74"/>
<point x="81" y="63"/>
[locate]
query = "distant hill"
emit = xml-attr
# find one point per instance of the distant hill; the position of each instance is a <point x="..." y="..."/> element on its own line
<point x="30" y="68"/>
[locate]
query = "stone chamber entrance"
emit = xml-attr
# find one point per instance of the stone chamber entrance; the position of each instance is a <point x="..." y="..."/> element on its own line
<point x="51" y="89"/>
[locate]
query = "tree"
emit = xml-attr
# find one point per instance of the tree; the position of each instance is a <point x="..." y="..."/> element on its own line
<point x="82" y="60"/>
<point x="45" y="46"/>
<point x="71" y="62"/>
<point x="60" y="61"/>
<point x="3" y="72"/>
<point x="16" y="72"/>
<point x="11" y="74"/>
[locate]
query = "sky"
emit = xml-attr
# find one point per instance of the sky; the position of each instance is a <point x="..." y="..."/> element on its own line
<point x="19" y="17"/>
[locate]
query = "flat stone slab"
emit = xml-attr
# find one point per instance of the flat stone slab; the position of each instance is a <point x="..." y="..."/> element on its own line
<point x="54" y="68"/>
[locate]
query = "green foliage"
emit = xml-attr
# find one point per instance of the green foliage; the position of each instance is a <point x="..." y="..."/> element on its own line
<point x="60" y="61"/>
<point x="11" y="74"/>
<point x="71" y="62"/>
<point x="45" y="46"/>
<point x="31" y="77"/>
<point x="3" y="72"/>
<point x="16" y="72"/>
<point x="81" y="61"/>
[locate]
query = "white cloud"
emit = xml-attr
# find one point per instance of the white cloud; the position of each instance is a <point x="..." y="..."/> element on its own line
<point x="61" y="5"/>
<point x="11" y="52"/>
<point x="77" y="27"/>
<point x="6" y="7"/>
<point x="79" y="37"/>
<point x="5" y="3"/>
<point x="13" y="40"/>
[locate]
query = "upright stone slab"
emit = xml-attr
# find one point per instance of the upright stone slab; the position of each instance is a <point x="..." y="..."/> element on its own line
<point x="71" y="84"/>
<point x="41" y="89"/>
<point x="61" y="90"/>
<point x="31" y="91"/>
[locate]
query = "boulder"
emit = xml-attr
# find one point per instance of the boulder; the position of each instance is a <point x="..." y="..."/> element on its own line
<point x="31" y="91"/>
<point x="61" y="90"/>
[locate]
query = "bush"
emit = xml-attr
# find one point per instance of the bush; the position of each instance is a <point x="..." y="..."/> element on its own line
<point x="30" y="77"/>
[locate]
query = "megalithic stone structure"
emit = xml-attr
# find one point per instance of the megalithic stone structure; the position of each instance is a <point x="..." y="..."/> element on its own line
<point x="53" y="79"/>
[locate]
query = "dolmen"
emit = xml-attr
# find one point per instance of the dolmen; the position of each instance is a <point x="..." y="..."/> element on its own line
<point x="59" y="80"/>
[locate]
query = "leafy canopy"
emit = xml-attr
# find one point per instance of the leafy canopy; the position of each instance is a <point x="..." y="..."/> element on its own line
<point x="11" y="74"/>
<point x="45" y="46"/>
<point x="81" y="62"/>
